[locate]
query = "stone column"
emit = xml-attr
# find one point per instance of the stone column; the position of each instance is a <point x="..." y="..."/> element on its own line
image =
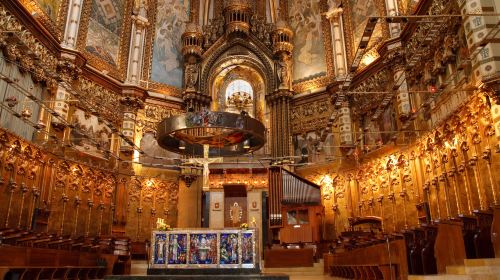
<point x="68" y="71"/>
<point x="72" y="24"/>
<point x="345" y="125"/>
<point x="482" y="38"/>
<point x="403" y="96"/>
<point x="137" y="39"/>
<point x="279" y="104"/>
<point x="192" y="41"/>
<point x="338" y="43"/>
<point x="392" y="10"/>
<point x="130" y="106"/>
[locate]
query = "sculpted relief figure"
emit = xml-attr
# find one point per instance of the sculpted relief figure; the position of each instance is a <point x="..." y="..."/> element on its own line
<point x="191" y="76"/>
<point x="285" y="72"/>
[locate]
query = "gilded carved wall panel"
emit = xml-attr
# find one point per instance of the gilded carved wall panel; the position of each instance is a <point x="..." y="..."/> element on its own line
<point x="149" y="199"/>
<point x="449" y="168"/>
<point x="51" y="14"/>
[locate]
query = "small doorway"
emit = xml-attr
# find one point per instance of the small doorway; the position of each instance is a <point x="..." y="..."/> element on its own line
<point x="235" y="205"/>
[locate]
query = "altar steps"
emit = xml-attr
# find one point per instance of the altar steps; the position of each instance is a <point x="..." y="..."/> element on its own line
<point x="473" y="269"/>
<point x="298" y="272"/>
<point x="139" y="267"/>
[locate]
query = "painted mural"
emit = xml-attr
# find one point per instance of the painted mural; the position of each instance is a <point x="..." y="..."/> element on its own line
<point x="50" y="7"/>
<point x="105" y="28"/>
<point x="150" y="146"/>
<point x="310" y="147"/>
<point x="361" y="10"/>
<point x="87" y="124"/>
<point x="171" y="18"/>
<point x="309" y="51"/>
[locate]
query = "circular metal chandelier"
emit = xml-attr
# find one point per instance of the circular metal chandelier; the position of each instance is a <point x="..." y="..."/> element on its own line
<point x="226" y="134"/>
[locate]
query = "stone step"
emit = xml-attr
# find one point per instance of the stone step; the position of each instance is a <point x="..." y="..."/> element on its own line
<point x="483" y="262"/>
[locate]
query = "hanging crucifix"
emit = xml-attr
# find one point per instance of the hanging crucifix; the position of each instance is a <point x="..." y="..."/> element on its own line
<point x="205" y="161"/>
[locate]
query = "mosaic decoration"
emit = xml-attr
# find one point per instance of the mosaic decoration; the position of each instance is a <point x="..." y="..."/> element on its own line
<point x="171" y="18"/>
<point x="308" y="53"/>
<point x="160" y="248"/>
<point x="229" y="248"/>
<point x="50" y="7"/>
<point x="196" y="248"/>
<point x="177" y="249"/>
<point x="105" y="28"/>
<point x="203" y="249"/>
<point x="247" y="251"/>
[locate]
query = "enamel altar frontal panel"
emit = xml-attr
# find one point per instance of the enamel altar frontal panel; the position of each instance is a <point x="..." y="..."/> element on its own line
<point x="202" y="248"/>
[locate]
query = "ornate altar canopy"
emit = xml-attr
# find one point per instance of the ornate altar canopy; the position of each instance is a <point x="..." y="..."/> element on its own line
<point x="204" y="248"/>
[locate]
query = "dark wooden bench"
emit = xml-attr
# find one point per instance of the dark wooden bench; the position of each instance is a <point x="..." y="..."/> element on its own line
<point x="48" y="272"/>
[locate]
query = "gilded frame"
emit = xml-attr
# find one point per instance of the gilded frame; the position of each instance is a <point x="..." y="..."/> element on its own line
<point x="119" y="72"/>
<point x="56" y="28"/>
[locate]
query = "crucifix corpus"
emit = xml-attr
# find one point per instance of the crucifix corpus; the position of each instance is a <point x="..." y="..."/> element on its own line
<point x="205" y="161"/>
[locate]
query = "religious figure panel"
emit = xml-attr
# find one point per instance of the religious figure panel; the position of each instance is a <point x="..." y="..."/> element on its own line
<point x="100" y="135"/>
<point x="229" y="248"/>
<point x="177" y="249"/>
<point x="247" y="250"/>
<point x="171" y="18"/>
<point x="203" y="249"/>
<point x="105" y="28"/>
<point x="160" y="248"/>
<point x="309" y="52"/>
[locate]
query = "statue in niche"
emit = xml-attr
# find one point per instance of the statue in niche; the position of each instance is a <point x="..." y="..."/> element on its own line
<point x="140" y="7"/>
<point x="235" y="213"/>
<point x="191" y="76"/>
<point x="285" y="72"/>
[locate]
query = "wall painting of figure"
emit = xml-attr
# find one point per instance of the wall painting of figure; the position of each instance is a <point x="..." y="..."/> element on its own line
<point x="51" y="8"/>
<point x="166" y="65"/>
<point x="86" y="124"/>
<point x="309" y="51"/>
<point x="105" y="29"/>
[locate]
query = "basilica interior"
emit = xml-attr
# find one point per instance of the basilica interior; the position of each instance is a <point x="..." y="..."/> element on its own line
<point x="274" y="139"/>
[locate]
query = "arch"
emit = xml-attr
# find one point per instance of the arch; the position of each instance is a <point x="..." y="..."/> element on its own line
<point x="262" y="64"/>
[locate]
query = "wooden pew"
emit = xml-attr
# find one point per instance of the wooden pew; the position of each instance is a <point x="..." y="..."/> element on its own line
<point x="370" y="262"/>
<point x="45" y="272"/>
<point x="23" y="258"/>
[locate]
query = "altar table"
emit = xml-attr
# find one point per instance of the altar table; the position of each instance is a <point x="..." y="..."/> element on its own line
<point x="204" y="248"/>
